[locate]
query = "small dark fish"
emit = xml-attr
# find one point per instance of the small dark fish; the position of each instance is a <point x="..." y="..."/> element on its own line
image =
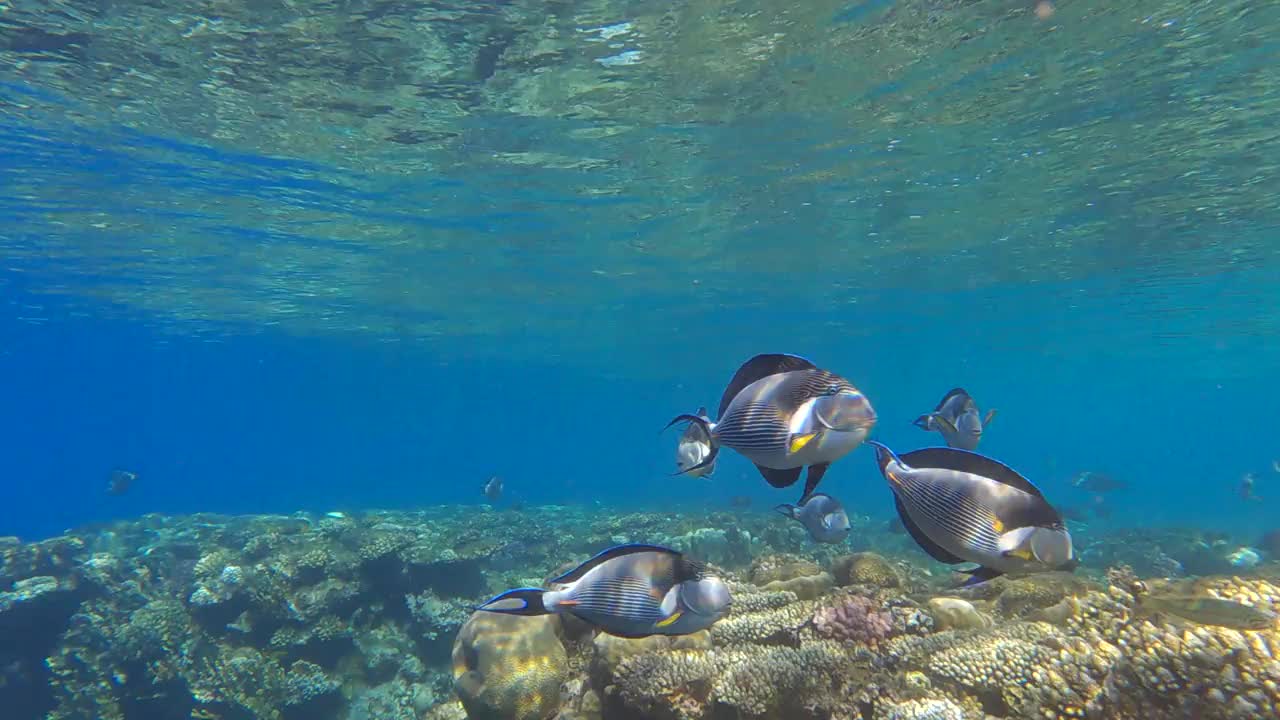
<point x="1207" y="610"/>
<point x="694" y="447"/>
<point x="822" y="515"/>
<point x="1246" y="488"/>
<point x="963" y="507"/>
<point x="1096" y="482"/>
<point x="493" y="489"/>
<point x="958" y="419"/>
<point x="784" y="414"/>
<point x="740" y="501"/>
<point x="630" y="591"/>
<point x="120" y="482"/>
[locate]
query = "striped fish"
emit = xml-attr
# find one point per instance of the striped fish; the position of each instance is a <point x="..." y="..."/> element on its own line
<point x="822" y="515"/>
<point x="783" y="413"/>
<point x="963" y="507"/>
<point x="694" y="447"/>
<point x="630" y="591"/>
<point x="958" y="419"/>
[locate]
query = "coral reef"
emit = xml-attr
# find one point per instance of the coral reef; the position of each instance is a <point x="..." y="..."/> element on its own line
<point x="356" y="617"/>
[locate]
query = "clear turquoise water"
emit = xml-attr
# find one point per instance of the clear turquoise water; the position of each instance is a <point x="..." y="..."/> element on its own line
<point x="368" y="254"/>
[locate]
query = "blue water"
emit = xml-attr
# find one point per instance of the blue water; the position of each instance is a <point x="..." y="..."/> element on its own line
<point x="256" y="331"/>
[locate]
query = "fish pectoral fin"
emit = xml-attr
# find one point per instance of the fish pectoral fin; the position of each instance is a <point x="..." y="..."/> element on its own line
<point x="799" y="441"/>
<point x="668" y="620"/>
<point x="990" y="416"/>
<point x="979" y="575"/>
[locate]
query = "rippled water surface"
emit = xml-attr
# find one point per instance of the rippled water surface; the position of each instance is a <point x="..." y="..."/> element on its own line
<point x="556" y="177"/>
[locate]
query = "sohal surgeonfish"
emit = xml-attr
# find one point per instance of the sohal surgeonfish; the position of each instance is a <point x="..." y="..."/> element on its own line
<point x="958" y="419"/>
<point x="630" y="591"/>
<point x="120" y="481"/>
<point x="963" y="507"/>
<point x="783" y="413"/>
<point x="822" y="515"/>
<point x="694" y="447"/>
<point x="493" y="489"/>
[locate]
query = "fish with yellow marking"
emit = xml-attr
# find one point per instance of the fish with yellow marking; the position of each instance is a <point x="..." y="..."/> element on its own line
<point x="784" y="414"/>
<point x="960" y="506"/>
<point x="958" y="419"/>
<point x="1208" y="610"/>
<point x="629" y="591"/>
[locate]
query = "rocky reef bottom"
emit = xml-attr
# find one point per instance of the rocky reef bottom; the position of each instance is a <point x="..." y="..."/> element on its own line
<point x="368" y="616"/>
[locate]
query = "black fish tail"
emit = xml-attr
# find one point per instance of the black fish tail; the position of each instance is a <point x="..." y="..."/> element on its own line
<point x="812" y="479"/>
<point x="530" y="597"/>
<point x="884" y="455"/>
<point x="703" y="423"/>
<point x="788" y="510"/>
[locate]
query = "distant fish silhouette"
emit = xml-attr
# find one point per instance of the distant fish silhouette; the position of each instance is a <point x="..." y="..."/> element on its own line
<point x="120" y="482"/>
<point x="493" y="488"/>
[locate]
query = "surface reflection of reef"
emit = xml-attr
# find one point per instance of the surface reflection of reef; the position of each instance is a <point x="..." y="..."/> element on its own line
<point x="368" y="616"/>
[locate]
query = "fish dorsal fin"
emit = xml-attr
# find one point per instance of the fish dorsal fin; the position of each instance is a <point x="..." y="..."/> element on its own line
<point x="780" y="478"/>
<point x="934" y="550"/>
<point x="970" y="462"/>
<point x="609" y="554"/>
<point x="950" y="394"/>
<point x="760" y="366"/>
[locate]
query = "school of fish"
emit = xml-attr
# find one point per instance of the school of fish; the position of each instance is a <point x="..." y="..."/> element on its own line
<point x="786" y="416"/>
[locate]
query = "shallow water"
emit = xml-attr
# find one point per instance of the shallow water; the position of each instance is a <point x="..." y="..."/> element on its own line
<point x="343" y="256"/>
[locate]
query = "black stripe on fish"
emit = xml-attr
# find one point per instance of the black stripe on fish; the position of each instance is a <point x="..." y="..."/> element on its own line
<point x="611" y="553"/>
<point x="936" y="551"/>
<point x="1030" y="514"/>
<point x="622" y="597"/>
<point x="754" y="427"/>
<point x="812" y="384"/>
<point x="689" y="569"/>
<point x="952" y="508"/>
<point x="760" y="366"/>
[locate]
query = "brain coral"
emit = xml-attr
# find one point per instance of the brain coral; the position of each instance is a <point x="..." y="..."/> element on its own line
<point x="508" y="667"/>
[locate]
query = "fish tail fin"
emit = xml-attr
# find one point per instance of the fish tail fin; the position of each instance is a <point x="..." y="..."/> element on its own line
<point x="787" y="509"/>
<point x="520" y="601"/>
<point x="922" y="422"/>
<point x="705" y="424"/>
<point x="884" y="455"/>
